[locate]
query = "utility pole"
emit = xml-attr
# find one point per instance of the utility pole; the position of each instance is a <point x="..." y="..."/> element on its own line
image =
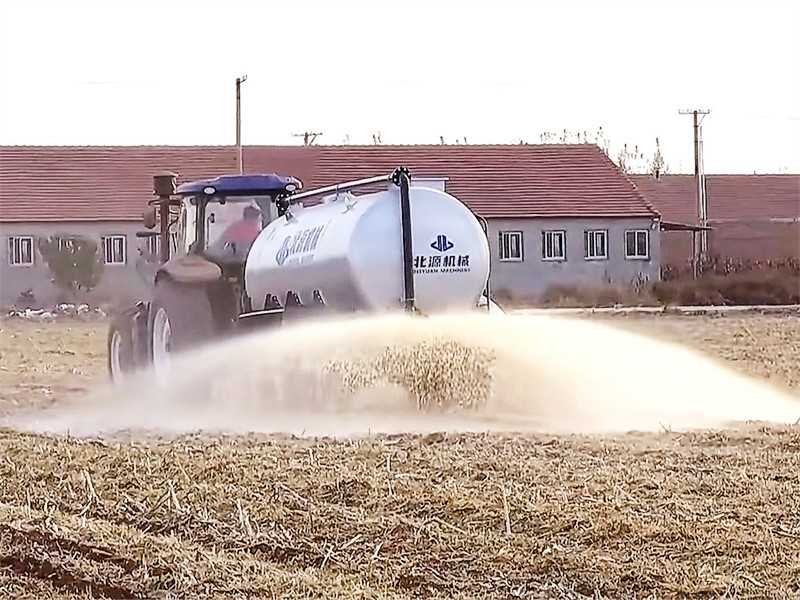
<point x="699" y="181"/>
<point x="309" y="137"/>
<point x="239" y="82"/>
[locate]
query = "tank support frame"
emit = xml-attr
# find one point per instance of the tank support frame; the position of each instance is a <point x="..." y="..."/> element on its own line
<point x="402" y="179"/>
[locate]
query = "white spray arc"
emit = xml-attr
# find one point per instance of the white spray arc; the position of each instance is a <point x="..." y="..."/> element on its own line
<point x="552" y="374"/>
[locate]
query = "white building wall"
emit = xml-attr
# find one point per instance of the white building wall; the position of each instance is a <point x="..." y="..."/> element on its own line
<point x="532" y="276"/>
<point x="118" y="283"/>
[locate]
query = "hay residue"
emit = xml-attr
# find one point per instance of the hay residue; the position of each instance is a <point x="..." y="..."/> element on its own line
<point x="437" y="373"/>
<point x="440" y="516"/>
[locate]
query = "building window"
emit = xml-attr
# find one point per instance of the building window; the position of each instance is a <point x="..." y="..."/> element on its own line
<point x="20" y="251"/>
<point x="554" y="245"/>
<point x="637" y="244"/>
<point x="595" y="244"/>
<point x="511" y="245"/>
<point x="63" y="244"/>
<point x="154" y="245"/>
<point x="114" y="250"/>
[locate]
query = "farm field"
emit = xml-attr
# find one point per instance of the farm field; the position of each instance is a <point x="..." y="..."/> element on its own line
<point x="672" y="514"/>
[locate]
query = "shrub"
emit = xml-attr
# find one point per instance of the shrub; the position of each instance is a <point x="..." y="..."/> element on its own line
<point x="507" y="299"/>
<point x="596" y="296"/>
<point x="73" y="261"/>
<point x="719" y="265"/>
<point x="769" y="282"/>
<point x="724" y="282"/>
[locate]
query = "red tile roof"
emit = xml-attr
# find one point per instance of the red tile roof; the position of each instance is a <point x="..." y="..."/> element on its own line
<point x="114" y="183"/>
<point x="297" y="161"/>
<point x="501" y="181"/>
<point x="730" y="197"/>
<point x="95" y="183"/>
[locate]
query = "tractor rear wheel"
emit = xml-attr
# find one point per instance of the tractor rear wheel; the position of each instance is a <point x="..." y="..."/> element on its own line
<point x="180" y="320"/>
<point x="121" y="360"/>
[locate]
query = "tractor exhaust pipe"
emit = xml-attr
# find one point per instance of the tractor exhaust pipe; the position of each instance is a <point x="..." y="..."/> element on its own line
<point x="164" y="186"/>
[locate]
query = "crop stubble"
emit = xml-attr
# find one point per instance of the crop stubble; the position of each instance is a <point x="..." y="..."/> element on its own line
<point x="668" y="515"/>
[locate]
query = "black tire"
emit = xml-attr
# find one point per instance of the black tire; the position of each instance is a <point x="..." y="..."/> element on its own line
<point x="121" y="356"/>
<point x="180" y="320"/>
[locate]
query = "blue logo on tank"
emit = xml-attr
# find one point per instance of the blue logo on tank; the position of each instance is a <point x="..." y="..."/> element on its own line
<point x="441" y="243"/>
<point x="283" y="251"/>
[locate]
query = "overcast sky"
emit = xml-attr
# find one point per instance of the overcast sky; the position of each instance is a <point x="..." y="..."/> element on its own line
<point x="163" y="72"/>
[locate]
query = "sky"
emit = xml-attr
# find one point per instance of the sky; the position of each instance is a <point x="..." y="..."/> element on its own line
<point x="144" y="72"/>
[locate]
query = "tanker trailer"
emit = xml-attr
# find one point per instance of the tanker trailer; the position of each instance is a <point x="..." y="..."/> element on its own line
<point x="404" y="247"/>
<point x="347" y="254"/>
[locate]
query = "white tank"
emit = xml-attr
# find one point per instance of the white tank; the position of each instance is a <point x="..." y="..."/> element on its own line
<point x="350" y="249"/>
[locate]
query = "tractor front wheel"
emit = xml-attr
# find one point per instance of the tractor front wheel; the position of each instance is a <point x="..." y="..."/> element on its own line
<point x="121" y="361"/>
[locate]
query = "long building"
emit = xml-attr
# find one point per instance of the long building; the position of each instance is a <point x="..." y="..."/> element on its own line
<point x="556" y="214"/>
<point x="751" y="217"/>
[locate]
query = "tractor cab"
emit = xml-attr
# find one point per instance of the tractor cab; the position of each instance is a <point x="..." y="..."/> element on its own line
<point x="220" y="218"/>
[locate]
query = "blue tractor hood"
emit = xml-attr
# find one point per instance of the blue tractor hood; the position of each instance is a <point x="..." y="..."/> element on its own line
<point x="270" y="184"/>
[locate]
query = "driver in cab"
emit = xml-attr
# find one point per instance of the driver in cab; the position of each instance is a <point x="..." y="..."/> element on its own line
<point x="243" y="233"/>
<point x="239" y="236"/>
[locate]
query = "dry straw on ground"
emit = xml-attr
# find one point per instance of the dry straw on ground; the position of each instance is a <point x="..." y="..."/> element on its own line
<point x="437" y="373"/>
<point x="666" y="515"/>
<point x="471" y="516"/>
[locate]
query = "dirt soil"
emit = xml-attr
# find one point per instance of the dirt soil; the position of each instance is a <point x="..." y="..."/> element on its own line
<point x="765" y="346"/>
<point x="45" y="362"/>
<point x="643" y="515"/>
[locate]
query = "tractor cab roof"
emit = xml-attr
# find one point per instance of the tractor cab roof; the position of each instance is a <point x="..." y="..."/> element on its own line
<point x="270" y="184"/>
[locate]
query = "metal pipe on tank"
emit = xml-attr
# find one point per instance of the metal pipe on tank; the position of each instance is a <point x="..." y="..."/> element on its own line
<point x="340" y="187"/>
<point x="404" y="182"/>
<point x="485" y="226"/>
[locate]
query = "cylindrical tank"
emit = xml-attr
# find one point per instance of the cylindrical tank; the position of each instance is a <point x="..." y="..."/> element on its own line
<point x="349" y="248"/>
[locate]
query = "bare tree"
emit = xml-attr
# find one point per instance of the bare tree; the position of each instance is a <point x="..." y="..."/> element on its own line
<point x="658" y="166"/>
<point x="635" y="162"/>
<point x="576" y="137"/>
<point x="629" y="160"/>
